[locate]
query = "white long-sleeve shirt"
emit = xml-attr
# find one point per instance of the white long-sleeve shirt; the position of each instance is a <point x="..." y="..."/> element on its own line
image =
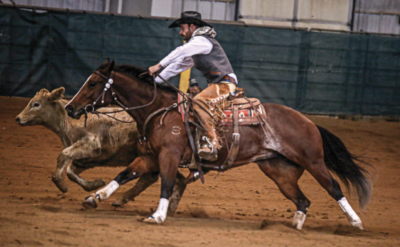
<point x="181" y="59"/>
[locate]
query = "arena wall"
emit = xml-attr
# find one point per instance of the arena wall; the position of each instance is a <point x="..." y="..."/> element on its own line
<point x="311" y="71"/>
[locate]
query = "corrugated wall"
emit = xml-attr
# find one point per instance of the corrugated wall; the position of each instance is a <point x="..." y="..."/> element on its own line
<point x="322" y="14"/>
<point x="377" y="16"/>
<point x="87" y="5"/>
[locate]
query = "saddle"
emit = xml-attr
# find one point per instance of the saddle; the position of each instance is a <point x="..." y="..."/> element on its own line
<point x="237" y="111"/>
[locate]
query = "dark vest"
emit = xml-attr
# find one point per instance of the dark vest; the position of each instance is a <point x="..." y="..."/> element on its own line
<point x="213" y="65"/>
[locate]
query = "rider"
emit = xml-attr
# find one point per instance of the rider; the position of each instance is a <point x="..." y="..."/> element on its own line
<point x="203" y="52"/>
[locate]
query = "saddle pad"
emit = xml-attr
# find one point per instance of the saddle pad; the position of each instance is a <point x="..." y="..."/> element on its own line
<point x="181" y="107"/>
<point x="246" y="116"/>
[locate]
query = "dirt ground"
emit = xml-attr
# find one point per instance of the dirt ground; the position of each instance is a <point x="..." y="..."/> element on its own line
<point x="241" y="207"/>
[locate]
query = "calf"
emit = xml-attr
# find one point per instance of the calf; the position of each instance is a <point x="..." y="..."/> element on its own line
<point x="104" y="142"/>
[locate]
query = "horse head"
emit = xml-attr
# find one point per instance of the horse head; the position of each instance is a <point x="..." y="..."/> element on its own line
<point x="88" y="97"/>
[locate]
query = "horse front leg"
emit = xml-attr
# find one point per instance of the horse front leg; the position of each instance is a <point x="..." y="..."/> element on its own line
<point x="87" y="147"/>
<point x="142" y="184"/>
<point x="141" y="165"/>
<point x="148" y="179"/>
<point x="168" y="162"/>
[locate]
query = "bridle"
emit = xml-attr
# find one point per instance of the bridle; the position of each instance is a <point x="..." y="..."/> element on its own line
<point x="108" y="86"/>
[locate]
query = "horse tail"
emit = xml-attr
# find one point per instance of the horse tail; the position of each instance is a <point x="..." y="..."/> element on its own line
<point x="341" y="162"/>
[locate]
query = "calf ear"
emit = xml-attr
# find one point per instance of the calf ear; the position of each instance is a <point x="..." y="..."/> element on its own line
<point x="57" y="94"/>
<point x="43" y="91"/>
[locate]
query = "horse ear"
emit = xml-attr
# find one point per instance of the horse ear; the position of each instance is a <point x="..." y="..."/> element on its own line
<point x="57" y="94"/>
<point x="107" y="66"/>
<point x="111" y="66"/>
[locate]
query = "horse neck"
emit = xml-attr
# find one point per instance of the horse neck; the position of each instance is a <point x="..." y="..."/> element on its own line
<point x="133" y="92"/>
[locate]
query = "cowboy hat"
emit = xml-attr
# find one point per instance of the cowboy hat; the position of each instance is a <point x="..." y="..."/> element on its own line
<point x="190" y="17"/>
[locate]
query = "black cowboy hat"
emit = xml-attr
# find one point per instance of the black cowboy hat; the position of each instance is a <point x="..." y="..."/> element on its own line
<point x="190" y="17"/>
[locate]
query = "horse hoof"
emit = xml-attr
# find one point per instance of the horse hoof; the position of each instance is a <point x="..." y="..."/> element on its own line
<point x="151" y="220"/>
<point x="357" y="224"/>
<point x="90" y="202"/>
<point x="298" y="220"/>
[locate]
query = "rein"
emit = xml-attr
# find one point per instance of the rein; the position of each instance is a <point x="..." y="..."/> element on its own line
<point x="107" y="86"/>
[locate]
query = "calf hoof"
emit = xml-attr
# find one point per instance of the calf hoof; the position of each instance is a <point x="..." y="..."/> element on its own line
<point x="61" y="184"/>
<point x="91" y="202"/>
<point x="121" y="201"/>
<point x="96" y="184"/>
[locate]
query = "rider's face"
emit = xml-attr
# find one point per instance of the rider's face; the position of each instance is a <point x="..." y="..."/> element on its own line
<point x="186" y="31"/>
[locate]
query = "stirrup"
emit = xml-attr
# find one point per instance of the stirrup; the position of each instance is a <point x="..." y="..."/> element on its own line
<point x="208" y="155"/>
<point x="211" y="155"/>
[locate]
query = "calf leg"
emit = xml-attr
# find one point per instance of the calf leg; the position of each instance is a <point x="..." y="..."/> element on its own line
<point x="88" y="147"/>
<point x="73" y="172"/>
<point x="286" y="175"/>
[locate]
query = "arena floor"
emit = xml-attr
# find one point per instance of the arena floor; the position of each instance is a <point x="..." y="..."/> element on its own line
<point x="241" y="207"/>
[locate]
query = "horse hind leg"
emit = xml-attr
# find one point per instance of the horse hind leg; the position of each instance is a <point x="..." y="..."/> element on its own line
<point x="321" y="173"/>
<point x="286" y="175"/>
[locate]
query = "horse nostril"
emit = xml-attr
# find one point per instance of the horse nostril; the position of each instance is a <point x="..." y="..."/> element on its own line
<point x="17" y="120"/>
<point x="69" y="108"/>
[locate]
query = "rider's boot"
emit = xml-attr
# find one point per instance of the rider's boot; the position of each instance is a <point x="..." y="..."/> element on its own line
<point x="208" y="150"/>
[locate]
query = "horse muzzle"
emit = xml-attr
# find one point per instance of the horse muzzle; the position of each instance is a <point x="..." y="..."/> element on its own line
<point x="74" y="113"/>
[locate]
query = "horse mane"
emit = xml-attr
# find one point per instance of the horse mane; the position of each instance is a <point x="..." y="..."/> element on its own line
<point x="135" y="71"/>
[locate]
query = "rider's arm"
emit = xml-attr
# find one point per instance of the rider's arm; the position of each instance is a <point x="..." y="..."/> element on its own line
<point x="175" y="68"/>
<point x="196" y="45"/>
<point x="180" y="59"/>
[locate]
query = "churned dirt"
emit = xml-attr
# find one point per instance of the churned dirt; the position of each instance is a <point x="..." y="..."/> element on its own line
<point x="241" y="207"/>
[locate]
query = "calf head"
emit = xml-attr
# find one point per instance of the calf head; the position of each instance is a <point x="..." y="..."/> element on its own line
<point x="42" y="108"/>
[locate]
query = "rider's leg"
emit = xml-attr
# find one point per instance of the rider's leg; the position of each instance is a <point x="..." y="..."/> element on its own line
<point x="208" y="98"/>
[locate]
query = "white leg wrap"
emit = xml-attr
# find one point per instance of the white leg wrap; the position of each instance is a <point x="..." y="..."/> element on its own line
<point x="353" y="218"/>
<point x="298" y="220"/>
<point x="107" y="191"/>
<point x="161" y="214"/>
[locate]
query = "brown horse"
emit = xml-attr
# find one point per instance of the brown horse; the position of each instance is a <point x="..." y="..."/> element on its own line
<point x="290" y="144"/>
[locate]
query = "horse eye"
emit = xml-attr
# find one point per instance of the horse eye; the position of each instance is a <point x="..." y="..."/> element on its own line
<point x="92" y="84"/>
<point x="36" y="105"/>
